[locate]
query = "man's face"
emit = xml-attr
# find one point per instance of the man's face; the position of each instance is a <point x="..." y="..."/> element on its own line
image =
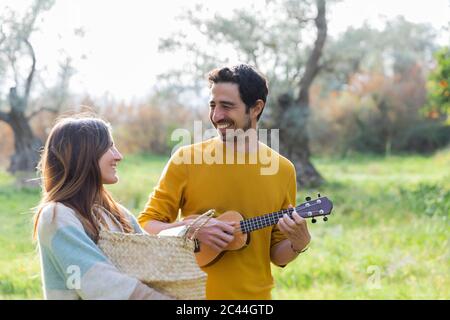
<point x="226" y="109"/>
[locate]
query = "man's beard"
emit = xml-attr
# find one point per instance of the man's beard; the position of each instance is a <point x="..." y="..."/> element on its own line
<point x="232" y="136"/>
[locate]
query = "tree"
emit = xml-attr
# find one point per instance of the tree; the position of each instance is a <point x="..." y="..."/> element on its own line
<point x="306" y="172"/>
<point x="438" y="105"/>
<point x="378" y="113"/>
<point x="396" y="49"/>
<point x="19" y="63"/>
<point x="273" y="39"/>
<point x="373" y="88"/>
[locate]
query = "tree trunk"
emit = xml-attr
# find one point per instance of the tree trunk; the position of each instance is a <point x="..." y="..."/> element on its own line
<point x="294" y="140"/>
<point x="307" y="175"/>
<point x="27" y="146"/>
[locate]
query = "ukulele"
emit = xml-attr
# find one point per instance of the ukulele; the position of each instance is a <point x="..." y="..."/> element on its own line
<point x="206" y="256"/>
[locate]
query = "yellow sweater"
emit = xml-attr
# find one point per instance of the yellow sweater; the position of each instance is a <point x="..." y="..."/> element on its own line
<point x="195" y="188"/>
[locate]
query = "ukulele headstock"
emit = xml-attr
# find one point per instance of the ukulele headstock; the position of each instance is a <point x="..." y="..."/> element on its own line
<point x="312" y="208"/>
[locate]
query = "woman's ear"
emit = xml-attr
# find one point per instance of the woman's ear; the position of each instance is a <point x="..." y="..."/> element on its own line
<point x="257" y="109"/>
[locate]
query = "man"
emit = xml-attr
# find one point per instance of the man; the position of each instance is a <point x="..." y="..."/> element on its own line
<point x="238" y="97"/>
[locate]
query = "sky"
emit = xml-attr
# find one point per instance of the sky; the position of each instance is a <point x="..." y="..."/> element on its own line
<point x="118" y="54"/>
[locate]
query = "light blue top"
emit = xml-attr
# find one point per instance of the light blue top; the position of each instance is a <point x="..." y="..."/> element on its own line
<point x="72" y="265"/>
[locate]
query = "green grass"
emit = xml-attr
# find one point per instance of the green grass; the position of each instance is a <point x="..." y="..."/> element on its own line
<point x="387" y="238"/>
<point x="388" y="235"/>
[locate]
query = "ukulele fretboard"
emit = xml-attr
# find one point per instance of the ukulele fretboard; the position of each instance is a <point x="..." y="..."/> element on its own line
<point x="305" y="210"/>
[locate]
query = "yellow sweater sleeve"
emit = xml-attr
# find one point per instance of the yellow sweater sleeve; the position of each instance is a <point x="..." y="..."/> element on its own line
<point x="166" y="199"/>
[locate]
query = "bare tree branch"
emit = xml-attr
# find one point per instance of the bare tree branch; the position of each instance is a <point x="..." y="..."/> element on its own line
<point x="313" y="60"/>
<point x="31" y="73"/>
<point x="302" y="21"/>
<point x="3" y="35"/>
<point x="255" y="59"/>
<point x="12" y="61"/>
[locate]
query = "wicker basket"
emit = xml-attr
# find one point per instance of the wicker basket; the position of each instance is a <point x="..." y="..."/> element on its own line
<point x="165" y="263"/>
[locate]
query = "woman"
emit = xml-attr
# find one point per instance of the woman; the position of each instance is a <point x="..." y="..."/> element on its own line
<point x="78" y="159"/>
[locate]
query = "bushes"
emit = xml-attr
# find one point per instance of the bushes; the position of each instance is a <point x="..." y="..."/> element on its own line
<point x="426" y="136"/>
<point x="146" y="127"/>
<point x="377" y="114"/>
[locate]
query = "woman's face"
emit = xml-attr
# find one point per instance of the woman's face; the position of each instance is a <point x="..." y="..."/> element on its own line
<point x="108" y="165"/>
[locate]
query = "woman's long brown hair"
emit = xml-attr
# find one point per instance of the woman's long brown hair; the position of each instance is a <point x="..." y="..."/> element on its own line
<point x="70" y="172"/>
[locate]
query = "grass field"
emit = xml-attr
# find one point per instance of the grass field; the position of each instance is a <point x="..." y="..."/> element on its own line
<point x="387" y="238"/>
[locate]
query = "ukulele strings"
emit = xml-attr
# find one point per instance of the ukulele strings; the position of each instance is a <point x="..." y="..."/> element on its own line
<point x="239" y="229"/>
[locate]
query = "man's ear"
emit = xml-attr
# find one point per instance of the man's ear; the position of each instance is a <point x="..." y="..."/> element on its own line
<point x="257" y="109"/>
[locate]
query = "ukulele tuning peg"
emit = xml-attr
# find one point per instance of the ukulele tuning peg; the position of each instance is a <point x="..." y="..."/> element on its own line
<point x="313" y="220"/>
<point x="308" y="198"/>
<point x="325" y="219"/>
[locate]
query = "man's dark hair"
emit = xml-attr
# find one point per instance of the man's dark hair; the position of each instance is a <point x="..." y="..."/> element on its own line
<point x="251" y="83"/>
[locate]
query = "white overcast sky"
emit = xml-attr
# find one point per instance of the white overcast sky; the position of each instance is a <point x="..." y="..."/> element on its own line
<point x="121" y="37"/>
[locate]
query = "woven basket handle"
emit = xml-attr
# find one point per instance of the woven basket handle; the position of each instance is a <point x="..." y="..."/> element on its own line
<point x="205" y="217"/>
